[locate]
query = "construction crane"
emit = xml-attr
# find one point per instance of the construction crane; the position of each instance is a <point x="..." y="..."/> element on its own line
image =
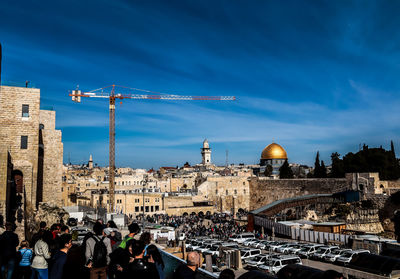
<point x="114" y="92"/>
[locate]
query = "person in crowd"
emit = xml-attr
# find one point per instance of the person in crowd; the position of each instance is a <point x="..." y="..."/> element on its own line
<point x="39" y="233"/>
<point x="99" y="235"/>
<point x="154" y="256"/>
<point x="24" y="268"/>
<point x="133" y="230"/>
<point x="60" y="257"/>
<point x="227" y="274"/>
<point x="146" y="238"/>
<point x="42" y="254"/>
<point x="120" y="258"/>
<point x="140" y="267"/>
<point x="116" y="236"/>
<point x="8" y="248"/>
<point x="188" y="270"/>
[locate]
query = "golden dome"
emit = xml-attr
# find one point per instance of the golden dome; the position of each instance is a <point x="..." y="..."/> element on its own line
<point x="273" y="151"/>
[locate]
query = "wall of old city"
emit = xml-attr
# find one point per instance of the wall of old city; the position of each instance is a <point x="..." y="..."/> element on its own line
<point x="264" y="191"/>
<point x="14" y="125"/>
<point x="6" y="168"/>
<point x="53" y="158"/>
<point x="226" y="193"/>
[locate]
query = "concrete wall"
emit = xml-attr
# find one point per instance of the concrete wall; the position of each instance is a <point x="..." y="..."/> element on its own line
<point x="264" y="191"/>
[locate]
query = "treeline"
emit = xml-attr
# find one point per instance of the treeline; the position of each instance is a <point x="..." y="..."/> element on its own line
<point x="365" y="160"/>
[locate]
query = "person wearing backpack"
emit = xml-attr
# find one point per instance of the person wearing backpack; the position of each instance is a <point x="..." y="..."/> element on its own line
<point x="8" y="251"/>
<point x="98" y="249"/>
<point x="24" y="267"/>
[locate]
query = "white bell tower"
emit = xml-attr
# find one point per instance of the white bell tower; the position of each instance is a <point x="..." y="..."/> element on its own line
<point x="206" y="153"/>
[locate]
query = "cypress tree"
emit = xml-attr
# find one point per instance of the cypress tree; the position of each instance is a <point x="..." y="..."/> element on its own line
<point x="317" y="166"/>
<point x="323" y="170"/>
<point x="285" y="171"/>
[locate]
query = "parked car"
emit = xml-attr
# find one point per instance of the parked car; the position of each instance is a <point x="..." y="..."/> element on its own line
<point x="249" y="253"/>
<point x="346" y="257"/>
<point x="263" y="244"/>
<point x="323" y="251"/>
<point x="285" y="248"/>
<point x="240" y="238"/>
<point x="215" y="269"/>
<point x="276" y="263"/>
<point x="275" y="245"/>
<point x="333" y="255"/>
<point x="294" y="250"/>
<point x="256" y="261"/>
<point x="308" y="250"/>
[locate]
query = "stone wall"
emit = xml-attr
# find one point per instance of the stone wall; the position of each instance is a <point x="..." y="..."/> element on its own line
<point x="227" y="193"/>
<point x="13" y="126"/>
<point x="53" y="158"/>
<point x="6" y="168"/>
<point x="264" y="191"/>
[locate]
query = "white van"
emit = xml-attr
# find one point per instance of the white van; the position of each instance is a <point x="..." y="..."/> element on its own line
<point x="276" y="263"/>
<point x="346" y="257"/>
<point x="240" y="238"/>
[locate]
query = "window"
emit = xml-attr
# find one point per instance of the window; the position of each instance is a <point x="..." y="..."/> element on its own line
<point x="141" y="208"/>
<point x="25" y="110"/>
<point x="157" y="208"/>
<point x="235" y="192"/>
<point x="244" y="191"/>
<point x="216" y="192"/>
<point x="24" y="142"/>
<point x="244" y="183"/>
<point x="227" y="192"/>
<point x="136" y="208"/>
<point x="62" y="189"/>
<point x="147" y="209"/>
<point x="152" y="208"/>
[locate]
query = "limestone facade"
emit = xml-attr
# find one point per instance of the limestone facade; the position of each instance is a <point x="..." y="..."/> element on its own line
<point x="29" y="135"/>
<point x="226" y="193"/>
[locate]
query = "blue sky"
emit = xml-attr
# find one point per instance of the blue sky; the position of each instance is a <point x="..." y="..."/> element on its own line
<point x="310" y="75"/>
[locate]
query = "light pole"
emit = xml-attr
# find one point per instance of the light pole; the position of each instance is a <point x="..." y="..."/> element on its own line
<point x="144" y="184"/>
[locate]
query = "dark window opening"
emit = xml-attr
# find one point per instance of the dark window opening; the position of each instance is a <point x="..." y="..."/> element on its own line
<point x="24" y="142"/>
<point x="157" y="208"/>
<point x="25" y="110"/>
<point x="136" y="208"/>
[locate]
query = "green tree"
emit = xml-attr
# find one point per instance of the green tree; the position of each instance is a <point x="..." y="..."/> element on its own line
<point x="317" y="167"/>
<point x="285" y="171"/>
<point x="337" y="166"/>
<point x="323" y="173"/>
<point x="268" y="170"/>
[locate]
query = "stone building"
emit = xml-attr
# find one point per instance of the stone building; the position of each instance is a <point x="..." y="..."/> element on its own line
<point x="206" y="153"/>
<point x="273" y="155"/>
<point x="29" y="136"/>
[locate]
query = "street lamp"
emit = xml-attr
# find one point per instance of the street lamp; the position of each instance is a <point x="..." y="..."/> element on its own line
<point x="144" y="184"/>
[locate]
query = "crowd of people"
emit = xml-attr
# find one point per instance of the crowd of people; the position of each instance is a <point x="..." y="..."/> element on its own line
<point x="102" y="254"/>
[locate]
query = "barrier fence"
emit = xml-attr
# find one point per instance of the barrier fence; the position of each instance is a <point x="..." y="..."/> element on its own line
<point x="300" y="234"/>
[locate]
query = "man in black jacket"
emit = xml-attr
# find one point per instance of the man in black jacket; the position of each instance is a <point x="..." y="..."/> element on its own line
<point x="188" y="270"/>
<point x="8" y="250"/>
<point x="139" y="267"/>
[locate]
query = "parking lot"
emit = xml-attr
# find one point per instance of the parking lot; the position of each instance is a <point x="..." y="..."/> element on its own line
<point x="270" y="256"/>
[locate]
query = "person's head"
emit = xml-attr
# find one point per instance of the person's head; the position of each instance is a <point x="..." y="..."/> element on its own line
<point x="9" y="226"/>
<point x="111" y="224"/>
<point x="154" y="254"/>
<point x="54" y="228"/>
<point x="100" y="221"/>
<point x="227" y="274"/>
<point x="47" y="237"/>
<point x="64" y="229"/>
<point x="134" y="228"/>
<point x="138" y="249"/>
<point x="42" y="225"/>
<point x="98" y="228"/>
<point x="24" y="244"/>
<point x="65" y="241"/>
<point x="193" y="259"/>
<point x="146" y="238"/>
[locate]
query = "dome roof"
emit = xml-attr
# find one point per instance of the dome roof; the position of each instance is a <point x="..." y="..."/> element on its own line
<point x="273" y="151"/>
<point x="205" y="144"/>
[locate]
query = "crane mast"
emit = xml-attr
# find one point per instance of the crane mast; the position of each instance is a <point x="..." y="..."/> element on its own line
<point x="109" y="92"/>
